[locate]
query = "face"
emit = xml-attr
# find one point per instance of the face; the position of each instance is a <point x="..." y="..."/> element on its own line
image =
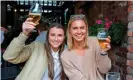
<point x="78" y="30"/>
<point x="56" y="37"/>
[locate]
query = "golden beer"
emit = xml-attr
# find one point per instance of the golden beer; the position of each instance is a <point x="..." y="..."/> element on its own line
<point x="102" y="43"/>
<point x="36" y="17"/>
<point x="102" y="35"/>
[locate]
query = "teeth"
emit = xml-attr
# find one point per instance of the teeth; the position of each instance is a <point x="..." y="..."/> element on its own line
<point x="79" y="35"/>
<point x="55" y="43"/>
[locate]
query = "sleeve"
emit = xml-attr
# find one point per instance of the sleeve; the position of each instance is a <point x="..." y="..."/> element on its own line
<point x="71" y="72"/>
<point x="17" y="51"/>
<point x="103" y="63"/>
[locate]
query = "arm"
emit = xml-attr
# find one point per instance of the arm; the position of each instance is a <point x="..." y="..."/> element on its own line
<point x="103" y="62"/>
<point x="17" y="51"/>
<point x="71" y="72"/>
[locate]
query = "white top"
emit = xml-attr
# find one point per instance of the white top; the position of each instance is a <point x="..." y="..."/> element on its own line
<point x="2" y="36"/>
<point x="57" y="67"/>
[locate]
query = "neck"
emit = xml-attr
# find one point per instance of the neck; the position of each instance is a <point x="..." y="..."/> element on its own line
<point x="55" y="49"/>
<point x="78" y="45"/>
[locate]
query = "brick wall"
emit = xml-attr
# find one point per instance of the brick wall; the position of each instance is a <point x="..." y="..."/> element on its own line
<point x="129" y="62"/>
<point x="118" y="54"/>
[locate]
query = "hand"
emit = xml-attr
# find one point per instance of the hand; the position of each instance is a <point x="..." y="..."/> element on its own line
<point x="28" y="26"/>
<point x="3" y="29"/>
<point x="107" y="43"/>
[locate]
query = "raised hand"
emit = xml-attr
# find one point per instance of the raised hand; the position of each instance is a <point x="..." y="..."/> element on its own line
<point x="28" y="26"/>
<point x="107" y="43"/>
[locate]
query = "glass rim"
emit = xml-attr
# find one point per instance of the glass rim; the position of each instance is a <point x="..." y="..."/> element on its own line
<point x="113" y="73"/>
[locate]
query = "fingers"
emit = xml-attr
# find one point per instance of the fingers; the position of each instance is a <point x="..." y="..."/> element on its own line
<point x="29" y="25"/>
<point x="3" y="29"/>
<point x="108" y="39"/>
<point x="28" y="19"/>
<point x="107" y="47"/>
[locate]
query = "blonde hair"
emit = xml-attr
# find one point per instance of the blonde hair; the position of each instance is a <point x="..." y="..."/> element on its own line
<point x="69" y="37"/>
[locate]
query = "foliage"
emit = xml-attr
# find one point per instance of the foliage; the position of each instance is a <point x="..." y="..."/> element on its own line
<point x="116" y="29"/>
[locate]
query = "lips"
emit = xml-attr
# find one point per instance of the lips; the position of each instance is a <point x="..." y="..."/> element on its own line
<point x="55" y="43"/>
<point x="79" y="36"/>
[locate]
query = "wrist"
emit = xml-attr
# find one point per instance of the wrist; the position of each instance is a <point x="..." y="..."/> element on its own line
<point x="103" y="53"/>
<point x="26" y="34"/>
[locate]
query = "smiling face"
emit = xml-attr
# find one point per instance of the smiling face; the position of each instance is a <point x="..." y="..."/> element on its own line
<point x="56" y="37"/>
<point x="78" y="30"/>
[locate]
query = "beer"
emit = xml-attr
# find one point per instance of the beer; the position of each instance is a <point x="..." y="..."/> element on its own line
<point x="102" y="43"/>
<point x="102" y="35"/>
<point x="36" y="17"/>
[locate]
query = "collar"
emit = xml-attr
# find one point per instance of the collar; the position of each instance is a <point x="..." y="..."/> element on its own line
<point x="55" y="54"/>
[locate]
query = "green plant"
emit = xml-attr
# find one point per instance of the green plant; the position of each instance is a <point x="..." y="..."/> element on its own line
<point x="116" y="29"/>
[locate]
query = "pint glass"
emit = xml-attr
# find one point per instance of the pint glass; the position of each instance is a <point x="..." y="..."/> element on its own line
<point x="102" y="35"/>
<point x="35" y="12"/>
<point x="113" y="76"/>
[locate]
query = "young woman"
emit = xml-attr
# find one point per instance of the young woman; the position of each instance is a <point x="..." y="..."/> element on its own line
<point x="43" y="60"/>
<point x="84" y="59"/>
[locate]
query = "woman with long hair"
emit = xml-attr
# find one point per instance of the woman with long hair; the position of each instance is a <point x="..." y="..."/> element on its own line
<point x="84" y="59"/>
<point x="42" y="60"/>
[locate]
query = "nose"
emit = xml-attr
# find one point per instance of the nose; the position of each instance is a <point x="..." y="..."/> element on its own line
<point x="79" y="31"/>
<point x="56" y="38"/>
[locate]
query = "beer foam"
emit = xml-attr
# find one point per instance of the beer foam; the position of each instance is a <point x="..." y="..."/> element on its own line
<point x="37" y="14"/>
<point x="99" y="38"/>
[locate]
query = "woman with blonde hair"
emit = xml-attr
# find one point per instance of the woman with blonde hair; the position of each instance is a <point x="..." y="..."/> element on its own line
<point x="84" y="59"/>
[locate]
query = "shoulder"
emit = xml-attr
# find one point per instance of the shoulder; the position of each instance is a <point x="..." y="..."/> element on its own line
<point x="65" y="53"/>
<point x="38" y="44"/>
<point x="92" y="39"/>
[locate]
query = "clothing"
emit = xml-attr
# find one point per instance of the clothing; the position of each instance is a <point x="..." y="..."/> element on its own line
<point x="2" y="36"/>
<point x="57" y="67"/>
<point x="34" y="55"/>
<point x="42" y="37"/>
<point x="88" y="67"/>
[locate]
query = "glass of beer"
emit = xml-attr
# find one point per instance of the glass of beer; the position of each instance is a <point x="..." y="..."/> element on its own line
<point x="102" y="35"/>
<point x="35" y="12"/>
<point x="113" y="76"/>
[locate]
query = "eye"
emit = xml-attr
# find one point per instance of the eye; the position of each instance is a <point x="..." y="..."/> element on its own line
<point x="74" y="28"/>
<point x="60" y="35"/>
<point x="82" y="27"/>
<point x="52" y="34"/>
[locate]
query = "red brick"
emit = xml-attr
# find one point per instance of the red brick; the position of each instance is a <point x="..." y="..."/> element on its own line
<point x="130" y="17"/>
<point x="130" y="56"/>
<point x="120" y="59"/>
<point x="130" y="40"/>
<point x="130" y="48"/>
<point x="130" y="25"/>
<point x="123" y="50"/>
<point x="129" y="77"/>
<point x="130" y="9"/>
<point x="130" y="63"/>
<point x="130" y="33"/>
<point x="130" y="3"/>
<point x="130" y="70"/>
